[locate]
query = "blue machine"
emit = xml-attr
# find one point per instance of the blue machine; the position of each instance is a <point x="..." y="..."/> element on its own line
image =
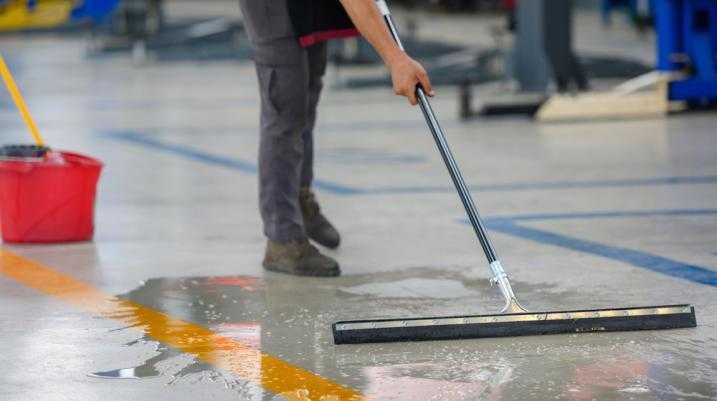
<point x="687" y="41"/>
<point x="98" y="11"/>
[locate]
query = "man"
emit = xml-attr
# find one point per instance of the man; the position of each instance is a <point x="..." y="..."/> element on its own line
<point x="290" y="58"/>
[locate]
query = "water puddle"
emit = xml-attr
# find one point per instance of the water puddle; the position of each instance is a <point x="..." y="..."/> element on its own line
<point x="414" y="288"/>
<point x="290" y="318"/>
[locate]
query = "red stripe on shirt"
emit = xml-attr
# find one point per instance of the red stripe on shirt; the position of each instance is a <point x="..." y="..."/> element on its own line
<point x="323" y="36"/>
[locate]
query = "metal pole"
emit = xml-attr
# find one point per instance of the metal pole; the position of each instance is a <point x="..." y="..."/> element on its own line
<point x="499" y="275"/>
<point x="446" y="154"/>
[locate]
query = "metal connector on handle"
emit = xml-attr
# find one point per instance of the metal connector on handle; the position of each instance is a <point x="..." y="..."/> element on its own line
<point x="383" y="7"/>
<point x="386" y="13"/>
<point x="500" y="277"/>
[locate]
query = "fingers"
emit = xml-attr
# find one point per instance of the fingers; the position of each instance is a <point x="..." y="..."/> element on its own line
<point x="407" y="76"/>
<point x="420" y="79"/>
<point x="411" y="95"/>
<point x="407" y="90"/>
<point x="425" y="82"/>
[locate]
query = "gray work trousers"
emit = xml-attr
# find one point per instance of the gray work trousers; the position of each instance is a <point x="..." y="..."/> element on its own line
<point x="290" y="83"/>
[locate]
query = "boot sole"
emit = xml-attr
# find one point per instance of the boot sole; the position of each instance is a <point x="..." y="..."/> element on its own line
<point x="303" y="273"/>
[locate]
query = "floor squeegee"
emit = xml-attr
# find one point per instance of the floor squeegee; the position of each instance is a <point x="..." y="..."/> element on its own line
<point x="514" y="319"/>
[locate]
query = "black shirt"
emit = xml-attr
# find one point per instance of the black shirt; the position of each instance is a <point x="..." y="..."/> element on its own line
<point x="319" y="20"/>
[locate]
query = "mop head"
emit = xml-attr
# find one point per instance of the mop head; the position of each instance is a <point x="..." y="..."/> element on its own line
<point x="514" y="324"/>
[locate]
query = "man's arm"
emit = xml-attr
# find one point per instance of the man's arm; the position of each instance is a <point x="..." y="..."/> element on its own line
<point x="406" y="73"/>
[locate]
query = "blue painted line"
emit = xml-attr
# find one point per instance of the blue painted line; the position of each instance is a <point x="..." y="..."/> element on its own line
<point x="655" y="263"/>
<point x="603" y="215"/>
<point x="504" y="224"/>
<point x="174" y="104"/>
<point x="326" y="128"/>
<point x="334" y="188"/>
<point x="552" y="185"/>
<point x="674" y="268"/>
<point x="364" y="156"/>
<point x="208" y="158"/>
<point x="414" y="125"/>
<point x="184" y="151"/>
<point x="341" y="189"/>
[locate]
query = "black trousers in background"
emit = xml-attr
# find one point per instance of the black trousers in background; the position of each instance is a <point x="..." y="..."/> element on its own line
<point x="559" y="47"/>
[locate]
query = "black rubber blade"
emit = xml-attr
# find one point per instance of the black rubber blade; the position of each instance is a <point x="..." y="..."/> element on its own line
<point x="516" y="324"/>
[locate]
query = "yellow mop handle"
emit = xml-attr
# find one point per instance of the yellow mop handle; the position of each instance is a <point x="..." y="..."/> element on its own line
<point x="19" y="102"/>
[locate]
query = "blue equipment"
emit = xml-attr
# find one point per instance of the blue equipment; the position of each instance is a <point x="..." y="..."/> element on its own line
<point x="97" y="11"/>
<point x="687" y="41"/>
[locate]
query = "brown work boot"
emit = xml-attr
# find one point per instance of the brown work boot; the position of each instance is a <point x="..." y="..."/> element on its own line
<point x="317" y="227"/>
<point x="299" y="258"/>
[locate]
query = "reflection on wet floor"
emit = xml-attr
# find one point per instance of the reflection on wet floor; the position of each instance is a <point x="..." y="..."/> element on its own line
<point x="290" y="318"/>
<point x="145" y="370"/>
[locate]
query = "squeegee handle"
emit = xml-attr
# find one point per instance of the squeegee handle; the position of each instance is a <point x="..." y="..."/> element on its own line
<point x="442" y="144"/>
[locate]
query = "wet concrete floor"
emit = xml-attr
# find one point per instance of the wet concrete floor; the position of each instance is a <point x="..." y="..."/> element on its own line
<point x="584" y="215"/>
<point x="289" y="319"/>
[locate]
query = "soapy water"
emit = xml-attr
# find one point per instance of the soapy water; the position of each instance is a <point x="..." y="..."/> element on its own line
<point x="290" y="318"/>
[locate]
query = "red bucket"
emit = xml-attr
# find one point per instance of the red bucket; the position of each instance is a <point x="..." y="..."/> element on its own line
<point x="48" y="199"/>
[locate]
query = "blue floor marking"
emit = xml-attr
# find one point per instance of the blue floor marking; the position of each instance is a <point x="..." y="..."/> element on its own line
<point x="698" y="274"/>
<point x="604" y="214"/>
<point x="346" y="190"/>
<point x="208" y="158"/>
<point x="184" y="151"/>
<point x="506" y="224"/>
<point x="543" y="185"/>
<point x="353" y="155"/>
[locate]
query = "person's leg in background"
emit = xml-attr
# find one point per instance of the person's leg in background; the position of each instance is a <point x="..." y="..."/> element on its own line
<point x="282" y="67"/>
<point x="317" y="227"/>
<point x="577" y="71"/>
<point x="558" y="42"/>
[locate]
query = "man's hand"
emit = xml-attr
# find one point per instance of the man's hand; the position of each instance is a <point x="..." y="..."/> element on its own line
<point x="406" y="74"/>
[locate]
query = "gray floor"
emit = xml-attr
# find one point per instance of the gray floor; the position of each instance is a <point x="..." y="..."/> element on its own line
<point x="583" y="214"/>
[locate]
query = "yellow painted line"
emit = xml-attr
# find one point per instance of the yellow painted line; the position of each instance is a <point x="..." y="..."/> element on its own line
<point x="267" y="371"/>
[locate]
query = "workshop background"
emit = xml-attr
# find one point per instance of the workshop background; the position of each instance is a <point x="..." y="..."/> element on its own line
<point x="130" y="266"/>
